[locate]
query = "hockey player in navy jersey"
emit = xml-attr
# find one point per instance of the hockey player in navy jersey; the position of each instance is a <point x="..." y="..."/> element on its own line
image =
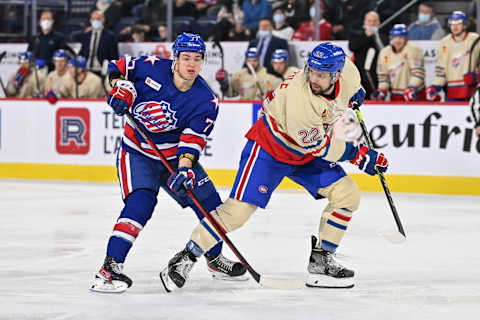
<point x="178" y="109"/>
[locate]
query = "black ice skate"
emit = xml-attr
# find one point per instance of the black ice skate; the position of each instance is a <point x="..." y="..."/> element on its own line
<point x="225" y="269"/>
<point x="110" y="278"/>
<point x="176" y="273"/>
<point x="325" y="272"/>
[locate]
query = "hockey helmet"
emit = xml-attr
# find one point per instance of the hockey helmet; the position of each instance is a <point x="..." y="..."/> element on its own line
<point x="81" y="62"/>
<point x="60" y="54"/>
<point x="399" y="30"/>
<point x="327" y="57"/>
<point x="457" y="17"/>
<point x="252" y="52"/>
<point x="189" y="42"/>
<point x="25" y="56"/>
<point x="280" y="55"/>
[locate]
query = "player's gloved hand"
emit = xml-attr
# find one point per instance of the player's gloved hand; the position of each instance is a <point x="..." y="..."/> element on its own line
<point x="432" y="93"/>
<point x="51" y="96"/>
<point x="380" y="94"/>
<point x="366" y="159"/>
<point x="222" y="78"/>
<point x="122" y="96"/>
<point x="20" y="76"/>
<point x="470" y="78"/>
<point x="357" y="99"/>
<point x="181" y="180"/>
<point x="409" y="94"/>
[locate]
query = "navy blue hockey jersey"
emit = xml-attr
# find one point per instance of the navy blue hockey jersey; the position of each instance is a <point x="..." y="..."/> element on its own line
<point x="178" y="122"/>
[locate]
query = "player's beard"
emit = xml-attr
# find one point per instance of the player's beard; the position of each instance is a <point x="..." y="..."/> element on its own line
<point x="320" y="91"/>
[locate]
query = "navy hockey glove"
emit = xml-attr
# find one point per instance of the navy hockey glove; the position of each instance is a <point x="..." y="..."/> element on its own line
<point x="122" y="96"/>
<point x="183" y="178"/>
<point x="358" y="98"/>
<point x="366" y="159"/>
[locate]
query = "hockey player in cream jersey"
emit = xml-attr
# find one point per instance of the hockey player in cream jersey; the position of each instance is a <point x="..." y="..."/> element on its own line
<point x="400" y="69"/>
<point x="280" y="65"/>
<point x="292" y="139"/>
<point x="453" y="69"/>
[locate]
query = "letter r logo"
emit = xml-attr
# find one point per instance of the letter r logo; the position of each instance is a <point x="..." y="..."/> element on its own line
<point x="73" y="131"/>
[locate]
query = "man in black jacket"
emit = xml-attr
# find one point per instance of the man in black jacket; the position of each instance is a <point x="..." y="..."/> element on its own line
<point x="98" y="44"/>
<point x="47" y="42"/>
<point x="266" y="43"/>
<point x="360" y="42"/>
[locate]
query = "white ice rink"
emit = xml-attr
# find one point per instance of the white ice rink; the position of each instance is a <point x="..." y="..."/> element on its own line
<point x="54" y="235"/>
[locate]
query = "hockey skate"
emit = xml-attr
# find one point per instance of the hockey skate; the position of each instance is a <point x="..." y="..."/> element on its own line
<point x="325" y="272"/>
<point x="176" y="273"/>
<point x="110" y="278"/>
<point x="225" y="269"/>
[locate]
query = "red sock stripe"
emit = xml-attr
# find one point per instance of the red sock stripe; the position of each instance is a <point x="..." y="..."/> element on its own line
<point x="341" y="216"/>
<point x="127" y="228"/>
<point x="124" y="174"/>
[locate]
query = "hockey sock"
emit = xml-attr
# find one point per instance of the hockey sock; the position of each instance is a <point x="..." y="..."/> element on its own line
<point x="333" y="230"/>
<point x="137" y="211"/>
<point x="215" y="251"/>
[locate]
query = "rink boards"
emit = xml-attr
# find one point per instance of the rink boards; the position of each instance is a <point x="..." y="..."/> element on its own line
<point x="431" y="147"/>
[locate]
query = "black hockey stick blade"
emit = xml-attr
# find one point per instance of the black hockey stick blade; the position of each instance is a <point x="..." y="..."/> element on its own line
<point x="266" y="282"/>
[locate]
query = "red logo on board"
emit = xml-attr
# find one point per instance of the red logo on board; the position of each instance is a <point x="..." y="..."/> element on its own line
<point x="72" y="131"/>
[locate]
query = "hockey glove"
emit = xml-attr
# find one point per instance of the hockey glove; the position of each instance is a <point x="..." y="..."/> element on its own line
<point x="409" y="94"/>
<point x="367" y="159"/>
<point x="470" y="79"/>
<point x="380" y="94"/>
<point x="222" y="78"/>
<point x="357" y="98"/>
<point x="51" y="96"/>
<point x="20" y="76"/>
<point x="181" y="180"/>
<point x="122" y="96"/>
<point x="432" y="93"/>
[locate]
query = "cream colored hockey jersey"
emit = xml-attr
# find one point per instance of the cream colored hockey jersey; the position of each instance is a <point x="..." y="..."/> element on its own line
<point x="90" y="87"/>
<point x="453" y="63"/>
<point x="397" y="71"/>
<point x="295" y="123"/>
<point x="249" y="87"/>
<point x="290" y="70"/>
<point x="29" y="88"/>
<point x="56" y="82"/>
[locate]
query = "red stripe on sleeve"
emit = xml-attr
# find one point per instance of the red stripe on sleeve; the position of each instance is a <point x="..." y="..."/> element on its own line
<point x="120" y="63"/>
<point x="190" y="138"/>
<point x="127" y="228"/>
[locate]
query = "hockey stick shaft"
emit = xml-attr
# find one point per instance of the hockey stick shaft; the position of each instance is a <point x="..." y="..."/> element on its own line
<point x="379" y="173"/>
<point x="272" y="283"/>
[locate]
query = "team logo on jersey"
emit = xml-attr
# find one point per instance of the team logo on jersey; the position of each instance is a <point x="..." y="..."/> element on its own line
<point x="393" y="71"/>
<point x="458" y="60"/>
<point x="153" y="84"/>
<point x="156" y="116"/>
<point x="263" y="189"/>
<point x="73" y="131"/>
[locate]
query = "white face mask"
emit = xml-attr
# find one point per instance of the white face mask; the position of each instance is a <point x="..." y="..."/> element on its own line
<point x="96" y="24"/>
<point x="263" y="33"/>
<point x="46" y="24"/>
<point x="312" y="12"/>
<point x="373" y="28"/>
<point x="278" y="17"/>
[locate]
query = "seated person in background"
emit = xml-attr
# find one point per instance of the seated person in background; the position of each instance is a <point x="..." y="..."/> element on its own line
<point x="229" y="15"/>
<point x="89" y="84"/>
<point x="251" y="83"/>
<point x="280" y="59"/>
<point x="400" y="69"/>
<point x="27" y="82"/>
<point x="253" y="11"/>
<point x="57" y="77"/>
<point x="427" y="26"/>
<point x="306" y="31"/>
<point x="280" y="28"/>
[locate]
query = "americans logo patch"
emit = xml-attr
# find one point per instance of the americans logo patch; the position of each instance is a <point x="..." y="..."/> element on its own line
<point x="156" y="116"/>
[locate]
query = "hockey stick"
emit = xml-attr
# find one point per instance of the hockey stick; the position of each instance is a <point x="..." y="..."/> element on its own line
<point x="397" y="237"/>
<point x="2" y="55"/>
<point x="261" y="279"/>
<point x="220" y="48"/>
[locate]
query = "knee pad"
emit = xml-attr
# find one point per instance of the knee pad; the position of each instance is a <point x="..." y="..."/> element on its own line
<point x="234" y="213"/>
<point x="343" y="194"/>
<point x="139" y="206"/>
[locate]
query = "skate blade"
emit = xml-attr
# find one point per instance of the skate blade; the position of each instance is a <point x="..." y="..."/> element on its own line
<point x="222" y="276"/>
<point x="105" y="286"/>
<point x="328" y="282"/>
<point x="168" y="284"/>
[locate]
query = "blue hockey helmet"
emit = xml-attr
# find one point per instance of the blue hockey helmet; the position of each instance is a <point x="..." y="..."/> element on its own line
<point x="457" y="17"/>
<point x="25" y="56"/>
<point x="252" y="52"/>
<point x="189" y="42"/>
<point x="60" y="54"/>
<point x="399" y="30"/>
<point x="280" y="55"/>
<point x="327" y="57"/>
<point x="81" y="62"/>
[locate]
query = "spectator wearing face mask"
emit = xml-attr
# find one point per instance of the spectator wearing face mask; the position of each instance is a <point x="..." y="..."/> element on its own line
<point x="306" y="31"/>
<point x="266" y="43"/>
<point x="281" y="29"/>
<point x="98" y="44"/>
<point x="43" y="45"/>
<point x="253" y="11"/>
<point x="427" y="26"/>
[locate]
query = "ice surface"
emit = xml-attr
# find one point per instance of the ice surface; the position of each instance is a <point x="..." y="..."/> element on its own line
<point x="54" y="237"/>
